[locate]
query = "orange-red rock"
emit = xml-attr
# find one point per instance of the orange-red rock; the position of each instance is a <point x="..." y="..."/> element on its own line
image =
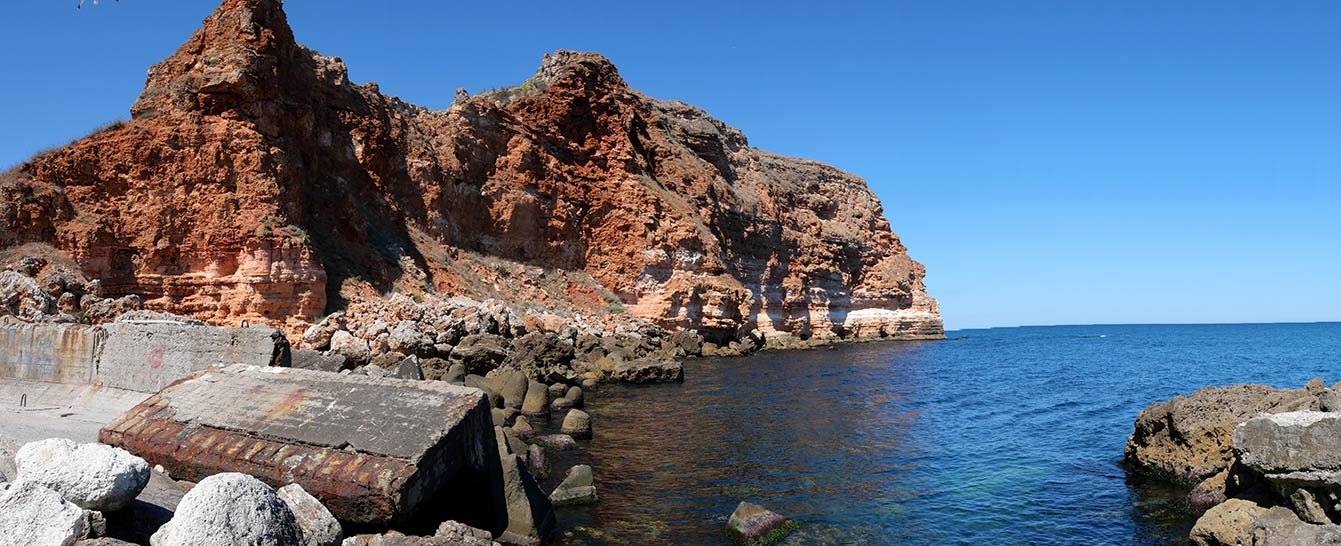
<point x="254" y="180"/>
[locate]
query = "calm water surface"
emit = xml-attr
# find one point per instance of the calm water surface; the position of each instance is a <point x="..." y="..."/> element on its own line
<point x="1009" y="436"/>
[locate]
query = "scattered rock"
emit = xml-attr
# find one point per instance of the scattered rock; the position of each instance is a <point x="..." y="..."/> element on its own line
<point x="522" y="428"/>
<point x="1303" y="446"/>
<point x="227" y="510"/>
<point x="318" y="525"/>
<point x="575" y="396"/>
<point x="1210" y="491"/>
<point x="92" y="476"/>
<point x="1239" y="522"/>
<point x="455" y="374"/>
<point x="33" y="515"/>
<point x="464" y="535"/>
<point x="576" y="488"/>
<point x="355" y="349"/>
<point x="577" y="424"/>
<point x="756" y="526"/>
<point x="560" y="442"/>
<point x="557" y="390"/>
<point x="543" y="357"/>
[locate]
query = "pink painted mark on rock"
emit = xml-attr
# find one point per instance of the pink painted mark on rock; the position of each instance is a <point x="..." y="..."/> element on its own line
<point x="156" y="358"/>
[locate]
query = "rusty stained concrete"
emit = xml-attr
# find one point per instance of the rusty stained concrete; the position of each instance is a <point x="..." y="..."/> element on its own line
<point x="374" y="450"/>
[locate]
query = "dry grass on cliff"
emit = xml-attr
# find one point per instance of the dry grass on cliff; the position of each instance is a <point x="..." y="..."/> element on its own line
<point x="47" y="252"/>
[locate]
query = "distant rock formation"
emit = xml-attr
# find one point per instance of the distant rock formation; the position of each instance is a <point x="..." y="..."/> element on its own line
<point x="254" y="181"/>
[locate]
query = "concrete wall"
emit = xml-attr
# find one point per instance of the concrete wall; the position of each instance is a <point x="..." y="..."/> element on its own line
<point x="147" y="356"/>
<point x="50" y="353"/>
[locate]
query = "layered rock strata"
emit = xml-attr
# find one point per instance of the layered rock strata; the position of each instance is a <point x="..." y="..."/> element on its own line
<point x="255" y="180"/>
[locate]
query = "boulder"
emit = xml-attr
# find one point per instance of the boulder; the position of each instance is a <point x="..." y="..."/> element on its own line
<point x="455" y="374"/>
<point x="576" y="488"/>
<point x="409" y="369"/>
<point x="536" y="404"/>
<point x="92" y="476"/>
<point x="463" y="535"/>
<point x="756" y="526"/>
<point x="480" y="353"/>
<point x="577" y="424"/>
<point x="1239" y="522"/>
<point x="513" y="387"/>
<point x="477" y="382"/>
<point x="530" y="514"/>
<point x="647" y="370"/>
<point x="318" y="525"/>
<point x="307" y="359"/>
<point x="437" y="369"/>
<point x="318" y="336"/>
<point x="33" y="515"/>
<point x="355" y="349"/>
<point x="560" y="405"/>
<point x="1187" y="438"/>
<point x="522" y="428"/>
<point x="543" y="357"/>
<point x="560" y="442"/>
<point x="230" y="509"/>
<point x="575" y="396"/>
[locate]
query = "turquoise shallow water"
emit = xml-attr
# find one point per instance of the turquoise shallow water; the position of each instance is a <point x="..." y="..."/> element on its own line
<point x="1008" y="436"/>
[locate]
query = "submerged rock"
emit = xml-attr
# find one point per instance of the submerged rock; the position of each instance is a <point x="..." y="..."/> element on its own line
<point x="577" y="487"/>
<point x="756" y="526"/>
<point x="577" y="424"/>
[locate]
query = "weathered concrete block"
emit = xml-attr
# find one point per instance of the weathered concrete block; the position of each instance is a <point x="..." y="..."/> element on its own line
<point x="50" y="353"/>
<point x="373" y="450"/>
<point x="146" y="356"/>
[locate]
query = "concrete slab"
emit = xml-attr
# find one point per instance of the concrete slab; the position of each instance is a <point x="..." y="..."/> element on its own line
<point x="373" y="450"/>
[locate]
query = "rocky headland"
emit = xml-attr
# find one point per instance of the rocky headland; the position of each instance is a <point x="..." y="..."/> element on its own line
<point x="255" y="183"/>
<point x="1263" y="464"/>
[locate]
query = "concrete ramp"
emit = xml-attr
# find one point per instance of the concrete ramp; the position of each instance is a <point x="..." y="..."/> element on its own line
<point x="374" y="450"/>
<point x="146" y="356"/>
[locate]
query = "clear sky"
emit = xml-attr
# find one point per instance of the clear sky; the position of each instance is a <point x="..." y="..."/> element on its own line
<point x="1051" y="162"/>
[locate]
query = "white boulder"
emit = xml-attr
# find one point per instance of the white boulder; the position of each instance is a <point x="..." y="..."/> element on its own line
<point x="230" y="509"/>
<point x="93" y="476"/>
<point x="33" y="515"/>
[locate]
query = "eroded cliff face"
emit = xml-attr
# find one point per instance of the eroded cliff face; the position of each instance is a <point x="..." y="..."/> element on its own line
<point x="254" y="180"/>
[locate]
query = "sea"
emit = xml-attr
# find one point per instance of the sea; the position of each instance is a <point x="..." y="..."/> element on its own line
<point x="994" y="436"/>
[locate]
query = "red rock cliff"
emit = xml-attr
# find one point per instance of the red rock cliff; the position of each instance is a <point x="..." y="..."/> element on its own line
<point x="254" y="180"/>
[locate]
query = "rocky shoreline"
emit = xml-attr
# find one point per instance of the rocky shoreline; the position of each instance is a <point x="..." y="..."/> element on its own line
<point x="1263" y="464"/>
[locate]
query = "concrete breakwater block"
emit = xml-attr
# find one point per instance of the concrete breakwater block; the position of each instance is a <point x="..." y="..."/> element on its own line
<point x="373" y="450"/>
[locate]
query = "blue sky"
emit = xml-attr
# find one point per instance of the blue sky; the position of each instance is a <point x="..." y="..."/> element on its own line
<point x="1051" y="162"/>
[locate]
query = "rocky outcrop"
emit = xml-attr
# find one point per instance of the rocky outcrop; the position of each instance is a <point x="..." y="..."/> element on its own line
<point x="1188" y="437"/>
<point x="255" y="182"/>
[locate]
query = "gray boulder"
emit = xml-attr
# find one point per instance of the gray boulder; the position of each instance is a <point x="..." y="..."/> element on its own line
<point x="228" y="510"/>
<point x="1299" y="446"/>
<point x="319" y="526"/>
<point x="409" y="369"/>
<point x="576" y="488"/>
<point x="543" y="357"/>
<point x="33" y="515"/>
<point x="355" y="349"/>
<point x="307" y="359"/>
<point x="92" y="476"/>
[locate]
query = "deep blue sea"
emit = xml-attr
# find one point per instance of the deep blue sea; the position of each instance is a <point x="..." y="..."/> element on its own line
<point x="1004" y="436"/>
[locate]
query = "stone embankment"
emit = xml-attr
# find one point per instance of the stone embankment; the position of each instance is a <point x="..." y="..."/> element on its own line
<point x="1266" y="461"/>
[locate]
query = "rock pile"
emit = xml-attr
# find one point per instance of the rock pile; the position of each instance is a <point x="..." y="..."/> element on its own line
<point x="36" y="289"/>
<point x="61" y="490"/>
<point x="451" y="338"/>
